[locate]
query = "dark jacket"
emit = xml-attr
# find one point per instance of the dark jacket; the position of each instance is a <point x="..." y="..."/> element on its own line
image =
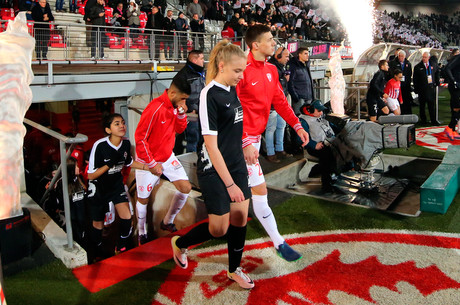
<point x="421" y="79"/>
<point x="281" y="74"/>
<point x="181" y="25"/>
<point x="169" y="25"/>
<point x="38" y="13"/>
<point x="300" y="83"/>
<point x="377" y="85"/>
<point x="88" y="6"/>
<point x="195" y="26"/>
<point x="453" y="71"/>
<point x="94" y="14"/>
<point x="196" y="77"/>
<point x="407" y="72"/>
<point x="155" y="22"/>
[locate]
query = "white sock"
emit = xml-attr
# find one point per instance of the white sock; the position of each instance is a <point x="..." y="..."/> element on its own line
<point x="267" y="219"/>
<point x="177" y="203"/>
<point x="141" y="217"/>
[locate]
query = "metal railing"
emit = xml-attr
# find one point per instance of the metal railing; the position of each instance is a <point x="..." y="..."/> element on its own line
<point x="62" y="170"/>
<point x="60" y="41"/>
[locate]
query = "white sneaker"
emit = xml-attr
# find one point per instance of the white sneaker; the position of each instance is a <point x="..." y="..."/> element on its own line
<point x="180" y="255"/>
<point x="241" y="278"/>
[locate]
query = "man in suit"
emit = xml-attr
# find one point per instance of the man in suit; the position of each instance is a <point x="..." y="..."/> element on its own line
<point x="426" y="78"/>
<point x="400" y="62"/>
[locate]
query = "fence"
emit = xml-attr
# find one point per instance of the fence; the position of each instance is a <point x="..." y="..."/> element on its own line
<point x="82" y="42"/>
<point x="62" y="170"/>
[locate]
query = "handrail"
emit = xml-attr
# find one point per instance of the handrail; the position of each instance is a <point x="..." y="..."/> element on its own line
<point x="63" y="140"/>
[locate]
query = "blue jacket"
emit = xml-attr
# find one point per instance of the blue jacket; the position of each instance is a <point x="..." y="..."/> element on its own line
<point x="300" y="83"/>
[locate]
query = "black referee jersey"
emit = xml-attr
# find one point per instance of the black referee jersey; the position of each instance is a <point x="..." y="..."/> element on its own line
<point x="221" y="115"/>
<point x="103" y="150"/>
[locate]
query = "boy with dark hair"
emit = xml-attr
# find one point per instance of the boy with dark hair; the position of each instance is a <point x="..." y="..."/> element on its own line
<point x="375" y="95"/>
<point x="155" y="134"/>
<point x="261" y="76"/>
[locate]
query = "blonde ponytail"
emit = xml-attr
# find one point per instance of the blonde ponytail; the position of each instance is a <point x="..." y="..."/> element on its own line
<point x="222" y="52"/>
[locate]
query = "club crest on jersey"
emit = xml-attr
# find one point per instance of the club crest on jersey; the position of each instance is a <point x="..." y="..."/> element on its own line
<point x="238" y="115"/>
<point x="269" y="76"/>
<point x="176" y="164"/>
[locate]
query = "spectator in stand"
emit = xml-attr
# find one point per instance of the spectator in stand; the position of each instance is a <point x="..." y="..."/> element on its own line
<point x="182" y="27"/>
<point x="227" y="32"/>
<point x="401" y="63"/>
<point x="215" y="11"/>
<point x="119" y="16"/>
<point x="197" y="28"/>
<point x="161" y="4"/>
<point x="274" y="133"/>
<point x="194" y="8"/>
<point x="97" y="17"/>
<point x="376" y="96"/>
<point x="42" y="13"/>
<point x="73" y="6"/>
<point x="88" y="21"/>
<point x="393" y="90"/>
<point x="452" y="71"/>
<point x="300" y="82"/>
<point x="240" y="29"/>
<point x="426" y="78"/>
<point x="59" y="6"/>
<point x="146" y="6"/>
<point x="195" y="75"/>
<point x="155" y="23"/>
<point x="169" y="25"/>
<point x="133" y="17"/>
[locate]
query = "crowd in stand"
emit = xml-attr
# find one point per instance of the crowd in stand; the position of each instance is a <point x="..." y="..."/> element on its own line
<point x="394" y="27"/>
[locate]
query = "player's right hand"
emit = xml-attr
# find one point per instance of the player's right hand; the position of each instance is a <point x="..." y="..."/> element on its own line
<point x="251" y="154"/>
<point x="157" y="170"/>
<point x="236" y="195"/>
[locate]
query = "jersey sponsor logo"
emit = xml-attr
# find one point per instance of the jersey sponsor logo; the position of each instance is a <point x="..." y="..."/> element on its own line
<point x="238" y="115"/>
<point x="269" y="77"/>
<point x="339" y="267"/>
<point x="255" y="83"/>
<point x="116" y="169"/>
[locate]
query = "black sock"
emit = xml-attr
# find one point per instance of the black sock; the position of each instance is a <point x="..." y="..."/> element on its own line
<point x="454" y="120"/>
<point x="125" y="232"/>
<point x="235" y="242"/>
<point x="96" y="237"/>
<point x="195" y="236"/>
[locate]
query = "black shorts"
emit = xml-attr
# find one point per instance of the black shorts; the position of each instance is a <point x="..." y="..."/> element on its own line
<point x="374" y="106"/>
<point x="454" y="97"/>
<point x="215" y="194"/>
<point x="99" y="203"/>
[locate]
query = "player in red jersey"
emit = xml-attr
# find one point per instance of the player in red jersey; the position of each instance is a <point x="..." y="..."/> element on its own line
<point x="258" y="91"/>
<point x="393" y="90"/>
<point x="155" y="136"/>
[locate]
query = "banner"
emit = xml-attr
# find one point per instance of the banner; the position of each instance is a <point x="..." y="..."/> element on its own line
<point x="325" y="17"/>
<point x="261" y="3"/>
<point x="298" y="23"/>
<point x="244" y="1"/>
<point x="311" y="13"/>
<point x="269" y="1"/>
<point x="316" y="19"/>
<point x="284" y="9"/>
<point x="237" y="4"/>
<point x="295" y="10"/>
<point x="345" y="53"/>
